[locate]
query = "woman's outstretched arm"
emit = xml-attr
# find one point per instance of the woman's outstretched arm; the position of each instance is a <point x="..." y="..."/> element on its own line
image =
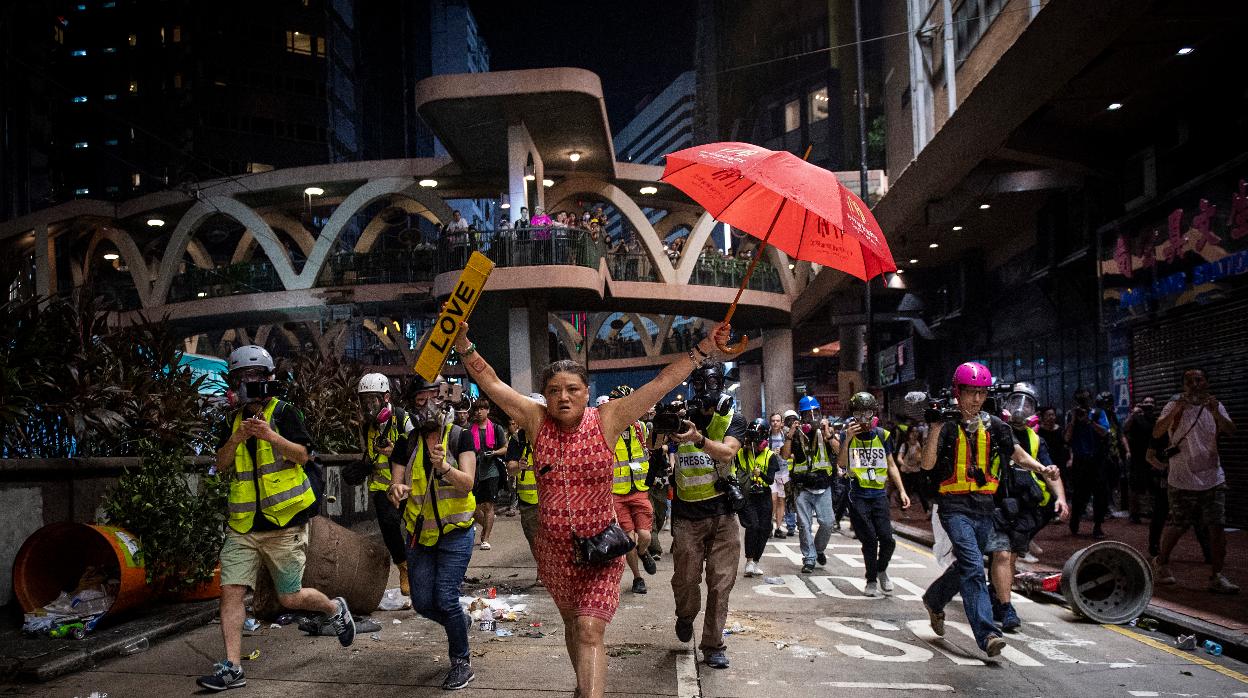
<point x="519" y="407"/>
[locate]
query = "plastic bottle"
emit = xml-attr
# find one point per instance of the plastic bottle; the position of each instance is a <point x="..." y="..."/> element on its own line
<point x="139" y="645"/>
<point x="1213" y="648"/>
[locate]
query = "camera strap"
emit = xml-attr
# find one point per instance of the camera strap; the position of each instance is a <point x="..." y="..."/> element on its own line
<point x="1189" y="429"/>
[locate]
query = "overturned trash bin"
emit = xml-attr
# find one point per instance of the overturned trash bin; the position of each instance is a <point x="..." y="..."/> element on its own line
<point x="340" y="563"/>
<point x="55" y="558"/>
<point x="1107" y="582"/>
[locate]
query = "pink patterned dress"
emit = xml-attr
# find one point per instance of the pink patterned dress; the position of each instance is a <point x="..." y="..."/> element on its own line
<point x="574" y="475"/>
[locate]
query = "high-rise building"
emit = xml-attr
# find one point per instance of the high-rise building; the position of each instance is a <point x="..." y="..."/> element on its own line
<point x="662" y="124"/>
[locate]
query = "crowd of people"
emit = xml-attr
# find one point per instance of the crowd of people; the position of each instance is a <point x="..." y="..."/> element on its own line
<point x="595" y="481"/>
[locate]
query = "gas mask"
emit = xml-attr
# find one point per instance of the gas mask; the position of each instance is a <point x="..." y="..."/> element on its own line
<point x="707" y="385"/>
<point x="866" y="418"/>
<point x="251" y="386"/>
<point x="1021" y="408"/>
<point x="374" y="405"/>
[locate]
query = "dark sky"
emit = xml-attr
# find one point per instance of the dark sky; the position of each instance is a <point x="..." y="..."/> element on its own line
<point x="637" y="47"/>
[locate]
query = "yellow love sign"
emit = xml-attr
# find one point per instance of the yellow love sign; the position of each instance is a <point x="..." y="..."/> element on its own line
<point x="458" y="307"/>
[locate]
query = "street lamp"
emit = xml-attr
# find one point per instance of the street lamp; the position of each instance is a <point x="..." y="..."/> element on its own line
<point x="648" y="190"/>
<point x="428" y="183"/>
<point x="574" y="156"/>
<point x="155" y="222"/>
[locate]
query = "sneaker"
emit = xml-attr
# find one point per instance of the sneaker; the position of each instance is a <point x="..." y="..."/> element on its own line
<point x="1010" y="621"/>
<point x="1162" y="573"/>
<point x="1219" y="584"/>
<point x="808" y="568"/>
<point x="225" y="675"/>
<point x="460" y="675"/>
<point x="780" y="533"/>
<point x="821" y="559"/>
<point x="647" y="563"/>
<point x="749" y="568"/>
<point x="485" y="545"/>
<point x="872" y="589"/>
<point x="936" y="618"/>
<point x="886" y="583"/>
<point x="996" y="643"/>
<point x="684" y="630"/>
<point x="342" y="623"/>
<point x="1029" y="558"/>
<point x="639" y="586"/>
<point x="716" y="659"/>
<point x="836" y="527"/>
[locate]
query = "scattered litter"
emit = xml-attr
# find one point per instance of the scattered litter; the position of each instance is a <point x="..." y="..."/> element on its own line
<point x="737" y="629"/>
<point x="376" y="637"/>
<point x="624" y="651"/>
<point x="362" y="625"/>
<point x="810" y="653"/>
<point x="393" y="600"/>
<point x="396" y="621"/>
<point x="535" y="625"/>
<point x="255" y="654"/>
<point x="503" y="632"/>
<point x="516" y="597"/>
<point x="517" y="574"/>
<point x="139" y="645"/>
<point x="780" y="645"/>
<point x="773" y="580"/>
<point x="1213" y="648"/>
<point x="487" y="625"/>
<point x="1032" y="582"/>
<point x="533" y="633"/>
<point x="1185" y="642"/>
<point x="286" y="619"/>
<point x="251" y="625"/>
<point x="275" y="625"/>
<point x="1149" y="624"/>
<point x="1186" y="673"/>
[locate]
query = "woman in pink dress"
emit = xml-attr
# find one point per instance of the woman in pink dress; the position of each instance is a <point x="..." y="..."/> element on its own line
<point x="573" y="452"/>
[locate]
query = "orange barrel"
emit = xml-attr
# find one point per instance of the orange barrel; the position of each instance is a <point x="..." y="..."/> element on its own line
<point x="203" y="591"/>
<point x="54" y="558"/>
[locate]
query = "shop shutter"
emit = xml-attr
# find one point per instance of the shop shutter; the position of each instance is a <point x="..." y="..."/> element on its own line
<point x="1213" y="338"/>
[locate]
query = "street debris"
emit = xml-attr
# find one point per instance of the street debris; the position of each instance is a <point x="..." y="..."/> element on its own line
<point x="393" y="600"/>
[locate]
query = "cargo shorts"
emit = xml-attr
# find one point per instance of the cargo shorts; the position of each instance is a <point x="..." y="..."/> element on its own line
<point x="283" y="552"/>
<point x="1197" y="507"/>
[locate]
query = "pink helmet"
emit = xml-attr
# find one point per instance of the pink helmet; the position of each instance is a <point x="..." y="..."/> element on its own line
<point x="973" y="374"/>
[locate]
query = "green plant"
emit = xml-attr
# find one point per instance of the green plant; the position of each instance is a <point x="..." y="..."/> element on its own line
<point x="323" y="388"/>
<point x="180" y="530"/>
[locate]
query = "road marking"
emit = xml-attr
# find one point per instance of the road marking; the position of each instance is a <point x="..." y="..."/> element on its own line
<point x="1011" y="653"/>
<point x="909" y="546"/>
<point x="793" y="588"/>
<point x="1212" y="666"/>
<point x="889" y="686"/>
<point x="922" y="629"/>
<point x="687" y="685"/>
<point x="855" y="560"/>
<point x="909" y="653"/>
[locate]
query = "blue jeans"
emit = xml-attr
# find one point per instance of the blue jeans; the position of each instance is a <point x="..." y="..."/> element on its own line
<point x="435" y="573"/>
<point x="970" y="536"/>
<point x="812" y="507"/>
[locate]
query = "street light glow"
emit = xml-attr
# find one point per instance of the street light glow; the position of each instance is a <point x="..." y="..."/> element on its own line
<point x="1114" y="106"/>
<point x="934" y="245"/>
<point x="313" y="191"/>
<point x="428" y="183"/>
<point x="1185" y="50"/>
<point x="112" y="256"/>
<point x="648" y="190"/>
<point x="155" y="222"/>
<point x="985" y="207"/>
<point x="914" y="261"/>
<point x="956" y="228"/>
<point x="548" y="182"/>
<point x="574" y="156"/>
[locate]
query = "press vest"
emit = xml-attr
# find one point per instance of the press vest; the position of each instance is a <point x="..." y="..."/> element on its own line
<point x="630" y="451"/>
<point x="751" y="466"/>
<point x="454" y="506"/>
<point x="959" y="482"/>
<point x="818" y="462"/>
<point x="695" y="469"/>
<point x="1033" y="447"/>
<point x="868" y="460"/>
<point x="281" y="490"/>
<point x="526" y="479"/>
<point x="380" y="479"/>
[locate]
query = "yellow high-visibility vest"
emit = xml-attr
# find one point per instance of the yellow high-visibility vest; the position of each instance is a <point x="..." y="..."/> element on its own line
<point x="750" y="466"/>
<point x="695" y="469"/>
<point x="629" y="450"/>
<point x="868" y="461"/>
<point x="526" y="479"/>
<point x="958" y="482"/>
<point x="379" y="480"/>
<point x="280" y="489"/>
<point x="1033" y="447"/>
<point x="454" y="506"/>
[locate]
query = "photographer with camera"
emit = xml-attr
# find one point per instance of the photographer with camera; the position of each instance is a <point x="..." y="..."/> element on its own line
<point x="271" y="499"/>
<point x="756" y="469"/>
<point x="705" y="532"/>
<point x="1027" y="502"/>
<point x="1087" y="432"/>
<point x="630" y="489"/>
<point x="967" y="449"/>
<point x="386" y="427"/>
<point x="437" y="482"/>
<point x="1193" y="420"/>
<point x="813" y="475"/>
<point x="866" y="452"/>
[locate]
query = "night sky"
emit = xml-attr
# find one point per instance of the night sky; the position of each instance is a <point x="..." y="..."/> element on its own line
<point x="637" y="47"/>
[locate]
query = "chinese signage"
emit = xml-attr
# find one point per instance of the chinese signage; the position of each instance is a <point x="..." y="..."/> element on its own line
<point x="896" y="364"/>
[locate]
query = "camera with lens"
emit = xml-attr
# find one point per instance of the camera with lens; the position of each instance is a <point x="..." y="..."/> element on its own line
<point x="730" y="486"/>
<point x="667" y="417"/>
<point x="942" y="408"/>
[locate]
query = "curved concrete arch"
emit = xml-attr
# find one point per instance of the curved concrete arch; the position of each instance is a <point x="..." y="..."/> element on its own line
<point x="130" y="254"/>
<point x="409" y="202"/>
<point x="568" y="337"/>
<point x="364" y="195"/>
<point x="673" y="220"/>
<point x="200" y="212"/>
<point x="199" y="254"/>
<point x="698" y="236"/>
<point x="627" y="208"/>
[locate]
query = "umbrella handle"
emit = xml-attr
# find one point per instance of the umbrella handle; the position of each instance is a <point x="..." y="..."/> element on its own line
<point x="740" y="346"/>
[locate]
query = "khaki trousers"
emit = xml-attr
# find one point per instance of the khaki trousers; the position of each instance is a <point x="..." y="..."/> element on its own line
<point x="715" y="544"/>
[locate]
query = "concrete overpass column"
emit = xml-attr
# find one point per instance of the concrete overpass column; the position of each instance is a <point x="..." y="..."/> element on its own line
<point x="519" y="147"/>
<point x="529" y="346"/>
<point x="750" y="392"/>
<point x="778" y="369"/>
<point x="45" y="262"/>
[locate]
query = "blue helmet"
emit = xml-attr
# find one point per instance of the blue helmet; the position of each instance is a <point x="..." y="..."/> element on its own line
<point x="807" y="403"/>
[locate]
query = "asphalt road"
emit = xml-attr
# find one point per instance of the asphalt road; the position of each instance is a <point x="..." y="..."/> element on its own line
<point x="814" y="635"/>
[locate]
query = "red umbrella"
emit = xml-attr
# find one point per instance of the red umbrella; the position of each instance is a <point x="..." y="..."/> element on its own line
<point x="785" y="201"/>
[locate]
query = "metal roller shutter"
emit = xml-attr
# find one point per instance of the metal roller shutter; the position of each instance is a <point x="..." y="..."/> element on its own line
<point x="1215" y="339"/>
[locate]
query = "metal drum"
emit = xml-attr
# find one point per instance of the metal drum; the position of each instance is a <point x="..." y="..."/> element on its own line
<point x="1108" y="582"/>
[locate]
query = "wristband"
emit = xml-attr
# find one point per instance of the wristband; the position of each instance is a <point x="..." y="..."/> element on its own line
<point x="472" y="349"/>
<point x="701" y="442"/>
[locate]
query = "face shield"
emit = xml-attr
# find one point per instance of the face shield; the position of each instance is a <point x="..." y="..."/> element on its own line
<point x="864" y="416"/>
<point x="1021" y="407"/>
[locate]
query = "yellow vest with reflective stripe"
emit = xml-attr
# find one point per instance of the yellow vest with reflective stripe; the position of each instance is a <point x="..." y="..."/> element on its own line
<point x="868" y="461"/>
<point x="958" y="482"/>
<point x="629" y="451"/>
<point x="526" y="479"/>
<point x="751" y="466"/>
<point x="695" y="469"/>
<point x="1033" y="447"/>
<point x="455" y="506"/>
<point x="380" y="479"/>
<point x="817" y="462"/>
<point x="282" y="488"/>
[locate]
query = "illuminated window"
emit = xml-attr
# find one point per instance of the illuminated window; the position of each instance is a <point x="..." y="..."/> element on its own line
<point x="81" y="191"/>
<point x="110" y="98"/>
<point x="134" y="87"/>
<point x="58" y="34"/>
<point x="109" y="5"/>
<point x="82" y="8"/>
<point x="177" y="33"/>
<point x="111" y="49"/>
<point x="79" y="99"/>
<point x="177" y="80"/>
<point x="132" y="40"/>
<point x="111" y="141"/>
<point x="320" y="46"/>
<point x="792" y="115"/>
<point x="80" y="145"/>
<point x="78" y="52"/>
<point x="135" y="179"/>
<point x="298" y="42"/>
<point x="817" y="109"/>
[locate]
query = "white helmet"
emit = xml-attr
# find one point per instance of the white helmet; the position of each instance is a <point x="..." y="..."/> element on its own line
<point x="248" y="356"/>
<point x="373" y="383"/>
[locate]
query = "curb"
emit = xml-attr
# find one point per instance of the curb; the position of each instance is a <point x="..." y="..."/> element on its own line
<point x="1170" y="622"/>
<point x="170" y="621"/>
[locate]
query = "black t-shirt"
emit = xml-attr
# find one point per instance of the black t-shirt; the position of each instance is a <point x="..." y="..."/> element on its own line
<point x="1055" y="439"/>
<point x="717" y="505"/>
<point x="1001" y="441"/>
<point x="288" y="422"/>
<point x="518" y="448"/>
<point x="492" y="463"/>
